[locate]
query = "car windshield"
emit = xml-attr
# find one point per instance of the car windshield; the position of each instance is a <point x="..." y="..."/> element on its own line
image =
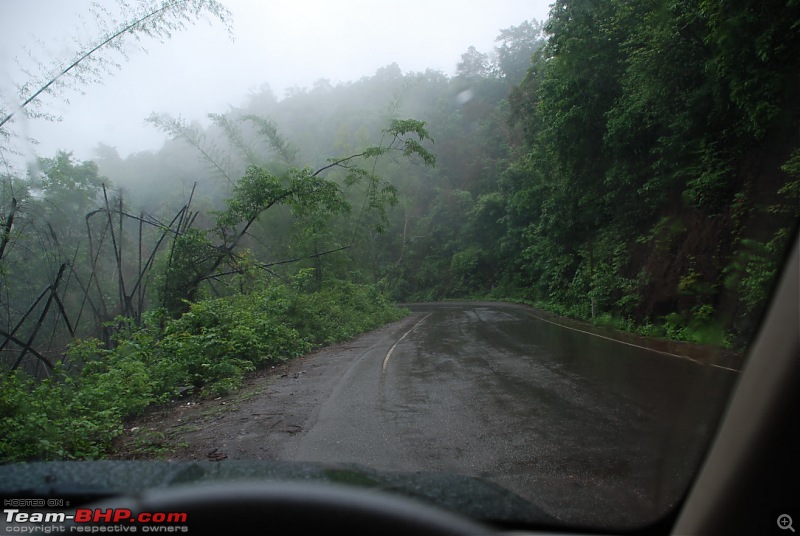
<point x="502" y="257"/>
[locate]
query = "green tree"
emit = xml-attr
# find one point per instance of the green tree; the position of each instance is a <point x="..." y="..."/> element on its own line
<point x="69" y="191"/>
<point x="311" y="196"/>
<point x="518" y="45"/>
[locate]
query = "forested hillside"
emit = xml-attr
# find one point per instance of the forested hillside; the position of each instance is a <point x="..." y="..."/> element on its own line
<point x="659" y="182"/>
<point x="636" y="164"/>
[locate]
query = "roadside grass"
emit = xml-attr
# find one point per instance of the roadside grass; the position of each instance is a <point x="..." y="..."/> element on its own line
<point x="697" y="327"/>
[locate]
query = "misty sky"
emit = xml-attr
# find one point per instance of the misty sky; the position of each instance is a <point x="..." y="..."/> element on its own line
<point x="281" y="43"/>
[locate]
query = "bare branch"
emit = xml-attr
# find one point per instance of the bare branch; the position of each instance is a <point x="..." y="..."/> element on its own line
<point x="157" y="20"/>
<point x="7" y="227"/>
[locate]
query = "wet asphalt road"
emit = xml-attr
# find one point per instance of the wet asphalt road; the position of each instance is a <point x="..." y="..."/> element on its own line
<point x="590" y="430"/>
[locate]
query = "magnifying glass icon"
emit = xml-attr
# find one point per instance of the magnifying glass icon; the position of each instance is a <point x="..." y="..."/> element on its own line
<point x="785" y="522"/>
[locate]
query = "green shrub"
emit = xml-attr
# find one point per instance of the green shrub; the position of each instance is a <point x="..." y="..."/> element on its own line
<point x="53" y="418"/>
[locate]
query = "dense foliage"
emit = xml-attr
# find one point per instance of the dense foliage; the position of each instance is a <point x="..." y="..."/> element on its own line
<point x="206" y="351"/>
<point x="655" y="185"/>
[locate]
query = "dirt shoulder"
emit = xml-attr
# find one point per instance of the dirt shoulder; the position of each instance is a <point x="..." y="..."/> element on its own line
<point x="255" y="421"/>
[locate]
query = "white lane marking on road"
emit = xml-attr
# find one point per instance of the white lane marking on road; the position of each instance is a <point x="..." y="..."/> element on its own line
<point x="631" y="344"/>
<point x="389" y="353"/>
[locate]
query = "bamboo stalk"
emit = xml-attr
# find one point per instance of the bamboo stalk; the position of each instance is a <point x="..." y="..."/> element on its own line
<point x="28" y="346"/>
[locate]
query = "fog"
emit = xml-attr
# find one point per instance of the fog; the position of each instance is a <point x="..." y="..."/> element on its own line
<point x="202" y="69"/>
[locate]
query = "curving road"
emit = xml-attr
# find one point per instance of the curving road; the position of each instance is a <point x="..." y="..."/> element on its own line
<point x="590" y="430"/>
